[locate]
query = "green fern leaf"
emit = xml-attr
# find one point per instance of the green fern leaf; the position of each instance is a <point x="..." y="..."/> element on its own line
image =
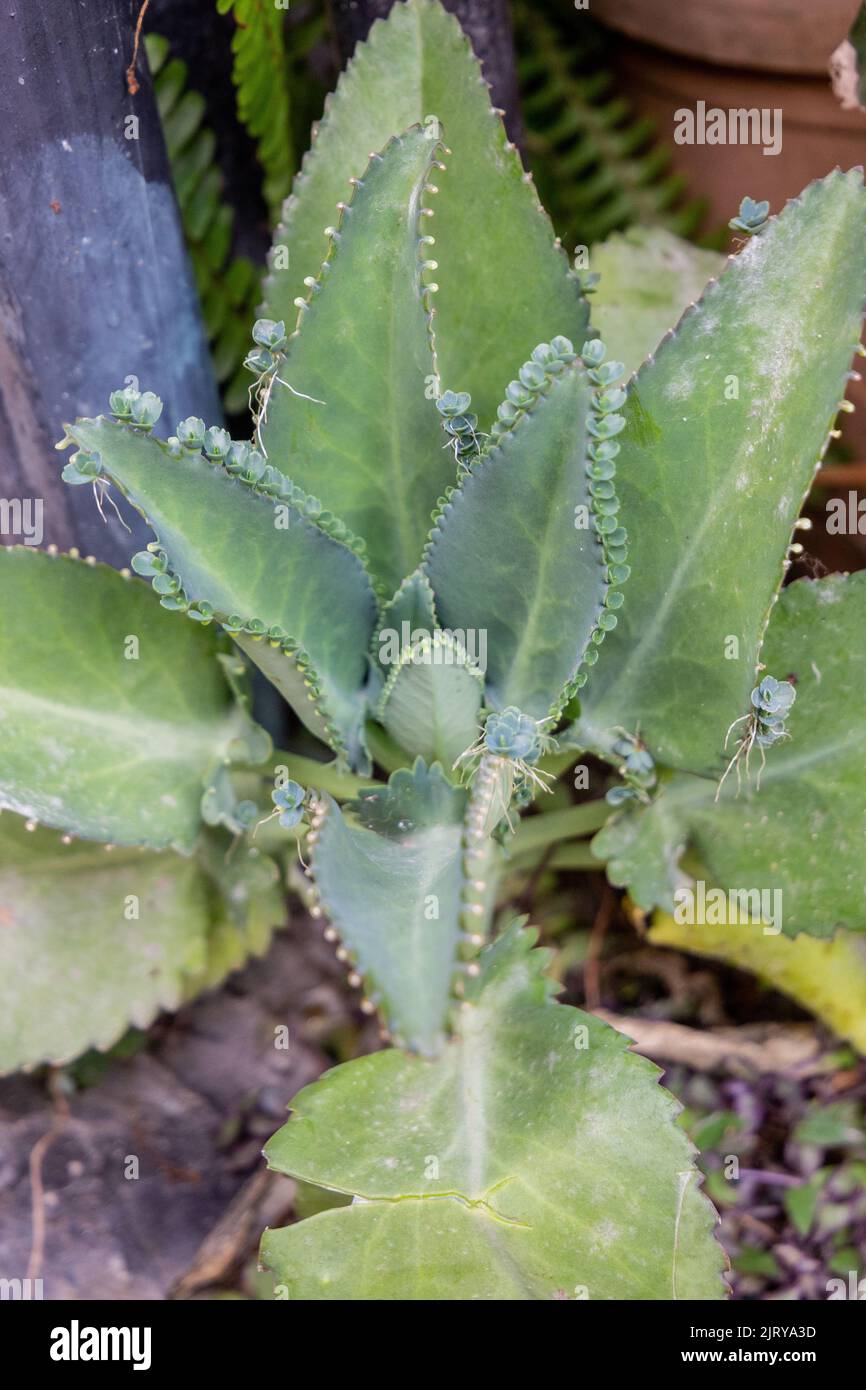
<point x="229" y="290"/>
<point x="598" y="167"/>
<point x="260" y="75"/>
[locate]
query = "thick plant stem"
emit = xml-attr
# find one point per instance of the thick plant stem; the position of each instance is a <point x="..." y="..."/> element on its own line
<point x="323" y="777"/>
<point x="576" y="856"/>
<point x="540" y="831"/>
<point x="482" y="855"/>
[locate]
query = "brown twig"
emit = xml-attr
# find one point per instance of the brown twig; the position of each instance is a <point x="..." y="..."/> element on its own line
<point x="265" y="1199"/>
<point x="591" y="966"/>
<point x="757" y="1048"/>
<point x="132" y="83"/>
<point x="37" y="1190"/>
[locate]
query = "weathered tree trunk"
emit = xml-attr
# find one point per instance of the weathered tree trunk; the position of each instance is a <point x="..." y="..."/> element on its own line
<point x="488" y="24"/>
<point x="94" y="279"/>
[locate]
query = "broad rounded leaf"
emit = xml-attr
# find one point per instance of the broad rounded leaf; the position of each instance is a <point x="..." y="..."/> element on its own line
<point x="93" y="942"/>
<point x="826" y="977"/>
<point x="111" y="712"/>
<point x="536" y="1159"/>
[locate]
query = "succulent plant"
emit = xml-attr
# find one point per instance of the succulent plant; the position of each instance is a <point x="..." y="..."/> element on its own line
<point x="441" y="462"/>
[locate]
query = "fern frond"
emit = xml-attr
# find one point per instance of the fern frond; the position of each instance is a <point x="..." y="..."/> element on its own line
<point x="597" y="167"/>
<point x="229" y="290"/>
<point x="260" y="74"/>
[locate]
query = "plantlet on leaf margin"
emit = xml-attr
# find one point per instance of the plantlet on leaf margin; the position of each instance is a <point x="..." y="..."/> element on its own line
<point x="501" y="762"/>
<point x="637" y="768"/>
<point x="765" y="725"/>
<point x="460" y="425"/>
<point x="264" y="362"/>
<point x="751" y="217"/>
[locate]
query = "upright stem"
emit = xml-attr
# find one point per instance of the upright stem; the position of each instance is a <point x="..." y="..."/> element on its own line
<point x="547" y="829"/>
<point x="488" y="802"/>
<point x="322" y="777"/>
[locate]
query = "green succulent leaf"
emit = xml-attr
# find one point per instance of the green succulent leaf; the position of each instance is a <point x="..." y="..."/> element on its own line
<point x="648" y="278"/>
<point x="724" y="427"/>
<point x="405" y="619"/>
<point x="503" y="283"/>
<point x="537" y="1158"/>
<point x="91" y="942"/>
<point x="359" y="426"/>
<point x="431" y="703"/>
<point x="112" y="713"/>
<point x="232" y="551"/>
<point x="802" y="833"/>
<point x="388" y="873"/>
<point x="509" y="559"/>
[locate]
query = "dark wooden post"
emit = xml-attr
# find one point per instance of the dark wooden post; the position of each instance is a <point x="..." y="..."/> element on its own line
<point x="94" y="279"/>
<point x="488" y="24"/>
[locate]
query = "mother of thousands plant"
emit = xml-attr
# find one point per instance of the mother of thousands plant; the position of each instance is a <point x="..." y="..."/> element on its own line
<point x="456" y="542"/>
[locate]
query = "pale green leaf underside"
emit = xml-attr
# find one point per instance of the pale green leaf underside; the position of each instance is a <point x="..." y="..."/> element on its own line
<point x="405" y="619"/>
<point x="432" y="701"/>
<point x="826" y="977"/>
<point x="99" y="736"/>
<point x="76" y="969"/>
<point x="648" y="278"/>
<point x="804" y="832"/>
<point x="507" y="559"/>
<point x="502" y="281"/>
<point x="393" y="894"/>
<point x="520" y="1165"/>
<point x="711" y="486"/>
<point x="373" y="452"/>
<point x="223" y="542"/>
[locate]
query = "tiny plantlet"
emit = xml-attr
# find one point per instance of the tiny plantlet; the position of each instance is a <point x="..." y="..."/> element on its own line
<point x="751" y="217"/>
<point x="419" y="452"/>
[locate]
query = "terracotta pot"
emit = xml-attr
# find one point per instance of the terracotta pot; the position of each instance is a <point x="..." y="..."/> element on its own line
<point x="816" y="134"/>
<point x="795" y="36"/>
<point x="766" y="54"/>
